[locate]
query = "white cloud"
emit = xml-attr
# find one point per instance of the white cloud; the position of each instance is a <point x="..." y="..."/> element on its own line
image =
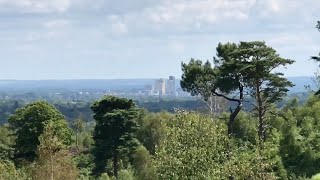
<point x="25" y="48"/>
<point x="199" y="11"/>
<point x="57" y="23"/>
<point x="40" y="36"/>
<point x="37" y="6"/>
<point x="179" y="16"/>
<point x="119" y="28"/>
<point x="274" y="5"/>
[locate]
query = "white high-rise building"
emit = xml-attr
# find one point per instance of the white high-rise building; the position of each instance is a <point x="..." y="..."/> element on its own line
<point x="171" y="86"/>
<point x="160" y="86"/>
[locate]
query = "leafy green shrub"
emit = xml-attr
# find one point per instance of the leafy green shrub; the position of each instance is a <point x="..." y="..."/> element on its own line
<point x="316" y="177"/>
<point x="8" y="171"/>
<point x="104" y="176"/>
<point x="125" y="174"/>
<point x="194" y="147"/>
<point x="142" y="163"/>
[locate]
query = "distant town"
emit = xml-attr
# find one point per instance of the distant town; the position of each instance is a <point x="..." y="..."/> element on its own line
<point x="161" y="87"/>
<point x="164" y="87"/>
<point x="71" y="90"/>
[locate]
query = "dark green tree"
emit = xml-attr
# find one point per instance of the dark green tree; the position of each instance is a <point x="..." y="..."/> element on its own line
<point x="258" y="63"/>
<point x="240" y="69"/>
<point x="28" y="124"/>
<point x="114" y="134"/>
<point x="6" y="142"/>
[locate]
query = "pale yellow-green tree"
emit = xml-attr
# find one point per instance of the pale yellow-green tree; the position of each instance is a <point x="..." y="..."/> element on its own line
<point x="54" y="160"/>
<point x="8" y="171"/>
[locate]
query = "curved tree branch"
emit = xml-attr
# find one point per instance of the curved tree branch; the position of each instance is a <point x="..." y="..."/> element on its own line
<point x="227" y="98"/>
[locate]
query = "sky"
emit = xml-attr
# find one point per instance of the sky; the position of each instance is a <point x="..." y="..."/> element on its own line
<point x="120" y="39"/>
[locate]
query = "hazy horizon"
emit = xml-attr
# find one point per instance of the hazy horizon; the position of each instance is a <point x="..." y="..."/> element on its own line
<point x="178" y="78"/>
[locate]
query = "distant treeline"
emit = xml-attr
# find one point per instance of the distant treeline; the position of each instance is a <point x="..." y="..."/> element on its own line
<point x="81" y="109"/>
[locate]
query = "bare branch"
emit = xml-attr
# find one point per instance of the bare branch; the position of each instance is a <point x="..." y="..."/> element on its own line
<point x="227" y="98"/>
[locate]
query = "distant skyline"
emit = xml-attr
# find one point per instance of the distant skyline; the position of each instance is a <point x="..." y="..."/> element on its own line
<point x="104" y="39"/>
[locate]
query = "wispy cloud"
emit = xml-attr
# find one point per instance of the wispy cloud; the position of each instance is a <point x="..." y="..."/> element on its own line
<point x="36" y="6"/>
<point x="57" y="23"/>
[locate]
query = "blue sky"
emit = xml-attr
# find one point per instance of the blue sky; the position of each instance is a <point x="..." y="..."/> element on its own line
<point x="104" y="39"/>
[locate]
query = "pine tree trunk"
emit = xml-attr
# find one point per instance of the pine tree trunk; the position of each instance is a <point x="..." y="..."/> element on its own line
<point x="234" y="113"/>
<point x="77" y="138"/>
<point x="51" y="165"/>
<point x="232" y="118"/>
<point x="260" y="113"/>
<point x="115" y="165"/>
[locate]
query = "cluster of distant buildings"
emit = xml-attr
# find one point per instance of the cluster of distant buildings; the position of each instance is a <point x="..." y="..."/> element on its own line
<point x="163" y="87"/>
<point x="169" y="87"/>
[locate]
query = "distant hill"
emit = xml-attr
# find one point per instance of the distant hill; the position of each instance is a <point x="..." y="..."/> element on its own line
<point x="107" y="84"/>
<point x="300" y="83"/>
<point x="111" y="84"/>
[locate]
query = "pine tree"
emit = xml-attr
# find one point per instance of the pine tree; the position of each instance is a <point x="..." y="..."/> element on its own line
<point x="114" y="134"/>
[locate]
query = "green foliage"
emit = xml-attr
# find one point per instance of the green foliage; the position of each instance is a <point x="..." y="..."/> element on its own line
<point x="247" y="66"/>
<point x="7" y="107"/>
<point x="125" y="174"/>
<point x="253" y="65"/>
<point x="28" y="124"/>
<point x="194" y="147"/>
<point x="198" y="78"/>
<point x="300" y="149"/>
<point x="255" y="61"/>
<point x="197" y="147"/>
<point x="316" y="177"/>
<point x="6" y="142"/>
<point x="169" y="105"/>
<point x="142" y="163"/>
<point x="86" y="140"/>
<point x="104" y="176"/>
<point x="79" y="127"/>
<point x="247" y="162"/>
<point x="8" y="171"/>
<point x="114" y="134"/>
<point x="85" y="164"/>
<point x="54" y="161"/>
<point x="75" y="110"/>
<point x="245" y="128"/>
<point x="151" y="130"/>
